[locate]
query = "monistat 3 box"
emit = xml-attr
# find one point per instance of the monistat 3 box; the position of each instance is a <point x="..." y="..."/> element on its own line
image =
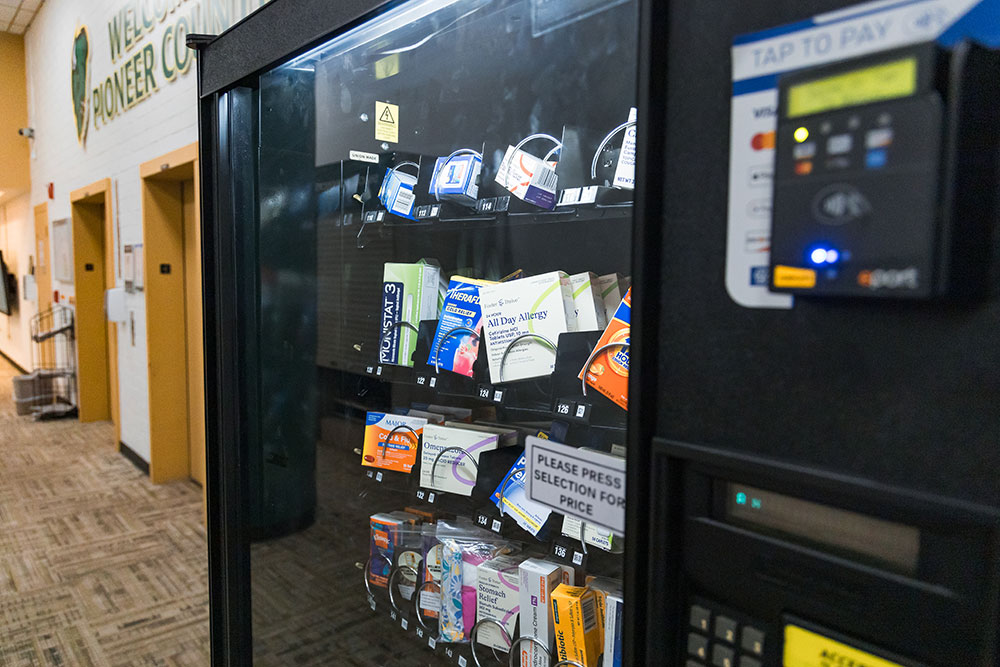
<point x="588" y="306"/>
<point x="457" y="352"/>
<point x="409" y="294"/>
<point x="541" y="305"/>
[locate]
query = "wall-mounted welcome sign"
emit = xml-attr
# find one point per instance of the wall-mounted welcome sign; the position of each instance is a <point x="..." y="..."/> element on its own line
<point x="146" y="43"/>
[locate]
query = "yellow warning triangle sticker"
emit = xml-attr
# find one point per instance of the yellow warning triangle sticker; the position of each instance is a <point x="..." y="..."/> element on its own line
<point x="386" y="116"/>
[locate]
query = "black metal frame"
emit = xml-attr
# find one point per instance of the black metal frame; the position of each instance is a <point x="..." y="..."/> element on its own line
<point x="228" y="67"/>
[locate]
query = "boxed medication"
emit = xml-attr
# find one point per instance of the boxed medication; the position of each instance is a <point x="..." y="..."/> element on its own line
<point x="389" y="532"/>
<point x="610" y="288"/>
<point x="527" y="513"/>
<point x="398" y="452"/>
<point x="603" y="587"/>
<point x="588" y="306"/>
<point x="396" y="193"/>
<point x="409" y="294"/>
<point x="455" y="473"/>
<point x="614" y="629"/>
<point x="458" y="352"/>
<point x="574" y="614"/>
<point x="608" y="372"/>
<point x="528" y="178"/>
<point x="457" y="178"/>
<point x="538" y="579"/>
<point x="541" y="305"/>
<point x="498" y="599"/>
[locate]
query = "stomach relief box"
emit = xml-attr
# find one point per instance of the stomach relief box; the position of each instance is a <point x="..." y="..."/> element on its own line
<point x="457" y="352"/>
<point x="538" y="579"/>
<point x="396" y="452"/>
<point x="409" y="294"/>
<point x="608" y="372"/>
<point x="541" y="305"/>
<point x="455" y="472"/>
<point x="588" y="306"/>
<point x="574" y="613"/>
<point x="498" y="599"/>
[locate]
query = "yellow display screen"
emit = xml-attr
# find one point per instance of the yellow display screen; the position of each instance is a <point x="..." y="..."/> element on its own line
<point x="885" y="81"/>
<point x="809" y="649"/>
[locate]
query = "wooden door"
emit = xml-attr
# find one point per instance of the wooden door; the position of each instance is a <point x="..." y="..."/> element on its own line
<point x="43" y="275"/>
<point x="193" y="329"/>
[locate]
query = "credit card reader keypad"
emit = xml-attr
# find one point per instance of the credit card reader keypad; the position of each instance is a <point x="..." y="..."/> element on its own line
<point x="718" y="636"/>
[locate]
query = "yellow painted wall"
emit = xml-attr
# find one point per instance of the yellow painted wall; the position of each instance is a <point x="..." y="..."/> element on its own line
<point x="14" y="150"/>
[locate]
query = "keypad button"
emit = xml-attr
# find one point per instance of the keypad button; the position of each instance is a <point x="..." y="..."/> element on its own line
<point x="839" y="144"/>
<point x="804" y="151"/>
<point x="753" y="641"/>
<point x="725" y="629"/>
<point x="694" y="663"/>
<point x="698" y="645"/>
<point x="723" y="657"/>
<point x="749" y="662"/>
<point x="700" y="618"/>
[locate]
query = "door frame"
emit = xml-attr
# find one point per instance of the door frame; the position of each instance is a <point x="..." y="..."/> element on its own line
<point x="43" y="273"/>
<point x="169" y="457"/>
<point x="97" y="355"/>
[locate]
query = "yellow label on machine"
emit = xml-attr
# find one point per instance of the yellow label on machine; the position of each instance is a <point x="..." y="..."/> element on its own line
<point x="886" y="81"/>
<point x="808" y="649"/>
<point x="386" y="122"/>
<point x="793" y="276"/>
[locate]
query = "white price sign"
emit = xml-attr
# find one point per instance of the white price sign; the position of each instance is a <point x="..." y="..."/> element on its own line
<point x="580" y="483"/>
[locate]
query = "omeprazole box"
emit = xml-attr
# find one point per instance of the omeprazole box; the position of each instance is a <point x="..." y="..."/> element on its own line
<point x="396" y="452"/>
<point x="588" y="306"/>
<point x="541" y="305"/>
<point x="455" y="473"/>
<point x="574" y="613"/>
<point x="409" y="294"/>
<point x="497" y="598"/>
<point x="538" y="579"/>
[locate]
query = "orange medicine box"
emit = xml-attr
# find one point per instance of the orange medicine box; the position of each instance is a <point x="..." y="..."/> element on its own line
<point x="396" y="452"/>
<point x="608" y="372"/>
<point x="574" y="616"/>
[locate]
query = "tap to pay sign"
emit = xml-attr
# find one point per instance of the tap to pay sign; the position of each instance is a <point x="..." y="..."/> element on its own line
<point x="585" y="484"/>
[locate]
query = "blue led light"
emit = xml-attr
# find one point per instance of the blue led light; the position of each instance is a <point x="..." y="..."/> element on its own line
<point x="823" y="255"/>
<point x="741" y="499"/>
<point x="832" y="256"/>
<point x="818" y="256"/>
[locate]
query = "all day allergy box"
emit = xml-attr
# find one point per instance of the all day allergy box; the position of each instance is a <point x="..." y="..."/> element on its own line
<point x="588" y="306"/>
<point x="455" y="473"/>
<point x="409" y="294"/>
<point x="574" y="614"/>
<point x="398" y="452"/>
<point x="538" y="579"/>
<point x="457" y="353"/>
<point x="610" y="288"/>
<point x="497" y="598"/>
<point x="608" y="372"/>
<point x="541" y="305"/>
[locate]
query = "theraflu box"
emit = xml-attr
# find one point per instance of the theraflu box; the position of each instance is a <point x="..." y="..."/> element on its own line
<point x="409" y="294"/>
<point x="397" y="452"/>
<point x="608" y="373"/>
<point x="588" y="306"/>
<point x="457" y="352"/>
<point x="541" y="305"/>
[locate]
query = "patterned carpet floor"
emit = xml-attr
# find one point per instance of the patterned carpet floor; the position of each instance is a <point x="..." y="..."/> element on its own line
<point x="97" y="565"/>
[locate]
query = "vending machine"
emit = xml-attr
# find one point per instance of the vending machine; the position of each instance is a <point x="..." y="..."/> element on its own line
<point x="603" y="332"/>
<point x="418" y="255"/>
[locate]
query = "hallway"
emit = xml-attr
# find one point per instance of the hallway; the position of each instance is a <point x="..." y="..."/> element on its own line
<point x="97" y="566"/>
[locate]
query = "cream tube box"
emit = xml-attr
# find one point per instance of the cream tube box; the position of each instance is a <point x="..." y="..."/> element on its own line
<point x="610" y="288"/>
<point x="498" y="598"/>
<point x="538" y="579"/>
<point x="541" y="305"/>
<point x="588" y="306"/>
<point x="455" y="473"/>
<point x="409" y="294"/>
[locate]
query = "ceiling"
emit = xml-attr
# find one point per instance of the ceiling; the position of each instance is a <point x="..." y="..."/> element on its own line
<point x="16" y="15"/>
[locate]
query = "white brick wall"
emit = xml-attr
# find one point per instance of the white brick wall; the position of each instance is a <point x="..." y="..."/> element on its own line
<point x="163" y="122"/>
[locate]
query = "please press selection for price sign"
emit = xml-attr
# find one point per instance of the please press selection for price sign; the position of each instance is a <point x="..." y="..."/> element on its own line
<point x="580" y="483"/>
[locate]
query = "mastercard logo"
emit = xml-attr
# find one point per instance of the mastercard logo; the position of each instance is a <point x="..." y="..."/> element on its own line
<point x="763" y="141"/>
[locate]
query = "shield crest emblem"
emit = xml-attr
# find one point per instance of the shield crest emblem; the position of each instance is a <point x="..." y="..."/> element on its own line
<point x="81" y="82"/>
